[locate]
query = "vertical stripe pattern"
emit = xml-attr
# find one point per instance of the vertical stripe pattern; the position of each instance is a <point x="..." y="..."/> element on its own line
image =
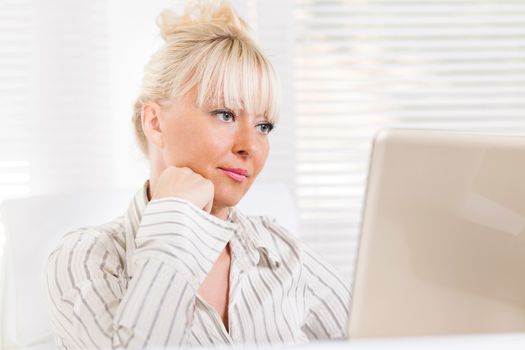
<point x="133" y="282"/>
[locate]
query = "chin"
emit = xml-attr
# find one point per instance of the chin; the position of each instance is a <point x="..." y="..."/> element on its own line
<point x="228" y="199"/>
<point x="225" y="202"/>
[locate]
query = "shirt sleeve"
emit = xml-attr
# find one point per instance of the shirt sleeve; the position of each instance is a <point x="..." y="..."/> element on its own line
<point x="93" y="306"/>
<point x="328" y="299"/>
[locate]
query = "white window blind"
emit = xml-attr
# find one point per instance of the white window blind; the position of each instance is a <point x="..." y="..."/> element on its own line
<point x="363" y="65"/>
<point x="55" y="133"/>
<point x="15" y="75"/>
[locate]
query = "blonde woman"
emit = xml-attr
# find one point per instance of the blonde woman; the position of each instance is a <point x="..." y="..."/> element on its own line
<point x="182" y="267"/>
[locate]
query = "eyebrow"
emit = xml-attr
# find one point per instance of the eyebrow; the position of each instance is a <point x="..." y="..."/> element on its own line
<point x="218" y="104"/>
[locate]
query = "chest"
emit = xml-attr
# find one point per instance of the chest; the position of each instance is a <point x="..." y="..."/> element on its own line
<point x="215" y="288"/>
<point x="264" y="306"/>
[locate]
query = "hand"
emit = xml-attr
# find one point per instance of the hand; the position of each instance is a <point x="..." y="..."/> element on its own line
<point x="186" y="184"/>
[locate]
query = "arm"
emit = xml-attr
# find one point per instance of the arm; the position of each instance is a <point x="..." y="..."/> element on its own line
<point x="91" y="305"/>
<point x="328" y="297"/>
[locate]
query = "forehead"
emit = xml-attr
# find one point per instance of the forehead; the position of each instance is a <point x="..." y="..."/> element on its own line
<point x="239" y="82"/>
<point x="239" y="100"/>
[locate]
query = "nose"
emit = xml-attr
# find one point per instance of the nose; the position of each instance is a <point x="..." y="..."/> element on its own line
<point x="246" y="141"/>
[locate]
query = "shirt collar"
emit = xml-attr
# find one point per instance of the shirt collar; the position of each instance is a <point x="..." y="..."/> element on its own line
<point x="136" y="208"/>
<point x="131" y="224"/>
<point x="257" y="238"/>
<point x="253" y="234"/>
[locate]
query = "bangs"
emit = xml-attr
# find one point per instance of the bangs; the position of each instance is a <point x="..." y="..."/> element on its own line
<point x="237" y="76"/>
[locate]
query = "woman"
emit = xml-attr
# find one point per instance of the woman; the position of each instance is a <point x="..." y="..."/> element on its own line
<point x="183" y="267"/>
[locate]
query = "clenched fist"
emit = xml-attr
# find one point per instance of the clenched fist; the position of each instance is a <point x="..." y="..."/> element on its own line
<point x="186" y="184"/>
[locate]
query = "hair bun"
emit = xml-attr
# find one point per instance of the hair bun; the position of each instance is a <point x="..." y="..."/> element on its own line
<point x="218" y="14"/>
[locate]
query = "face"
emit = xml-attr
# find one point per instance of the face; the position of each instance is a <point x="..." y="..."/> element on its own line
<point x="212" y="138"/>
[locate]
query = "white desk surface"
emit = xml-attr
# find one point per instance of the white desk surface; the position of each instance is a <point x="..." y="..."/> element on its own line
<point x="513" y="341"/>
<point x="476" y="342"/>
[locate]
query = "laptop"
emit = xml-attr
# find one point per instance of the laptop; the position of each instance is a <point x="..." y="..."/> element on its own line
<point x="442" y="248"/>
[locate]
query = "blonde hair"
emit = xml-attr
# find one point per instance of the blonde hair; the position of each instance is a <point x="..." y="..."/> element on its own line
<point x="209" y="48"/>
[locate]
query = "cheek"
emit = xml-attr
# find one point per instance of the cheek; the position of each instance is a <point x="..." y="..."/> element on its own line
<point x="179" y="139"/>
<point x="263" y="154"/>
<point x="196" y="145"/>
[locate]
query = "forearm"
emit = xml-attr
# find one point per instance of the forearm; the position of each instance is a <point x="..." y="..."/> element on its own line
<point x="155" y="310"/>
<point x="92" y="307"/>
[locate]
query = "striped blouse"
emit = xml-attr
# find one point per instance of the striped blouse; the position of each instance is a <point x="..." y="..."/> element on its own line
<point x="133" y="282"/>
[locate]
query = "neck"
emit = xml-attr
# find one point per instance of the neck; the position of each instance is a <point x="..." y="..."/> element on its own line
<point x="221" y="213"/>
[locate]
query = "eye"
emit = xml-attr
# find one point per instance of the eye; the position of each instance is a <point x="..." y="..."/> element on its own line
<point x="265" y="127"/>
<point x="224" y="115"/>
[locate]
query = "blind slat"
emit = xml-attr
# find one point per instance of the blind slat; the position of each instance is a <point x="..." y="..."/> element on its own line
<point x="361" y="66"/>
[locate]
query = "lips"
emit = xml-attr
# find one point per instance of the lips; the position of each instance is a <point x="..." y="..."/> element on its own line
<point x="235" y="173"/>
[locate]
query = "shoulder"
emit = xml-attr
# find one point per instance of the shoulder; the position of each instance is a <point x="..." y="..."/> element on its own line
<point x="321" y="271"/>
<point x="277" y="239"/>
<point x="104" y="241"/>
<point x="277" y="231"/>
<point x="317" y="267"/>
<point x="85" y="260"/>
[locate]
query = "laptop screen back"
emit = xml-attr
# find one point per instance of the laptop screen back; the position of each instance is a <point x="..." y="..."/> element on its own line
<point x="442" y="247"/>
